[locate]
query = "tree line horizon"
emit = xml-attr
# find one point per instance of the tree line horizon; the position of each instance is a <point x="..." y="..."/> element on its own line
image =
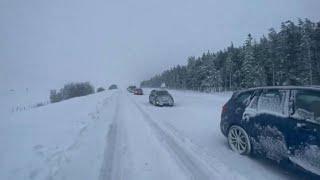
<point x="290" y="56"/>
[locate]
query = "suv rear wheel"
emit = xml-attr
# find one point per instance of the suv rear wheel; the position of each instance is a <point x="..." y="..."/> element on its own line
<point x="238" y="140"/>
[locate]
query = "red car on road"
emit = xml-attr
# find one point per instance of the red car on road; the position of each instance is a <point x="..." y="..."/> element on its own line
<point x="138" y="91"/>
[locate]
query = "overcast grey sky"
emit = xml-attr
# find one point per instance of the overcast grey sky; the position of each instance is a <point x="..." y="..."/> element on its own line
<point x="45" y="43"/>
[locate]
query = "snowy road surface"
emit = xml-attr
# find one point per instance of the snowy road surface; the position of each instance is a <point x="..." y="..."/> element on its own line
<point x="116" y="135"/>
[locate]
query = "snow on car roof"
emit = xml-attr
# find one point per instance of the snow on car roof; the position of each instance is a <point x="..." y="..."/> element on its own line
<point x="316" y="88"/>
<point x="160" y="90"/>
<point x="288" y="87"/>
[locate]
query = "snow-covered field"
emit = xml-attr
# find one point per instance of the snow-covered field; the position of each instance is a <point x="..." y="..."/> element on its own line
<point x="116" y="135"/>
<point x="59" y="141"/>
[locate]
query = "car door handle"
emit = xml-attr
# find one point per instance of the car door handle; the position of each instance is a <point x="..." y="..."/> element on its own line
<point x="303" y="126"/>
<point x="238" y="110"/>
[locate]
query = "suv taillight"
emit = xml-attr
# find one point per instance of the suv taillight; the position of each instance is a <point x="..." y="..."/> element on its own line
<point x="224" y="108"/>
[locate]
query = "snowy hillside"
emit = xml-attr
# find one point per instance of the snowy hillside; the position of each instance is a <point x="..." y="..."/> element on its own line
<point x="61" y="140"/>
<point x="115" y="135"/>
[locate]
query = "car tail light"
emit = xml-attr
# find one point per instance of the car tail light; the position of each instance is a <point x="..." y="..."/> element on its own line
<point x="224" y="108"/>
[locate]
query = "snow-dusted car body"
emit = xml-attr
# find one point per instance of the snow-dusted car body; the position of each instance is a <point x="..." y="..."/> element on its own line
<point x="131" y="89"/>
<point x="280" y="123"/>
<point x="161" y="98"/>
<point x="113" y="86"/>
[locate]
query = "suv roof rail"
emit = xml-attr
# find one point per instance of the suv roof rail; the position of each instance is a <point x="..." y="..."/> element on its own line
<point x="316" y="86"/>
<point x="287" y="87"/>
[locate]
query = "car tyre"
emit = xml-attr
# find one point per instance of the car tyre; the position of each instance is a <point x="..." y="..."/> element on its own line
<point x="239" y="140"/>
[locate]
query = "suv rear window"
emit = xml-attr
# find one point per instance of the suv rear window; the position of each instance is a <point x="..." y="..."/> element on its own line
<point x="307" y="105"/>
<point x="161" y="93"/>
<point x="272" y="101"/>
<point x="242" y="98"/>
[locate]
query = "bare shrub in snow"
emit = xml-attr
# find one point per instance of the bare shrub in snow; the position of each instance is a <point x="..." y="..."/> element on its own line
<point x="100" y="89"/>
<point x="71" y="90"/>
<point x="55" y="96"/>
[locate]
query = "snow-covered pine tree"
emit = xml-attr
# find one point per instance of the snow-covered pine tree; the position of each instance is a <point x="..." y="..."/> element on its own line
<point x="290" y="56"/>
<point x="306" y="54"/>
<point x="274" y="58"/>
<point x="290" y="45"/>
<point x="316" y="65"/>
<point x="248" y="68"/>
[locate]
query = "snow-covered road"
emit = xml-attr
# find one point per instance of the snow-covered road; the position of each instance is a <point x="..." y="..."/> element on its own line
<point x="195" y="120"/>
<point x="120" y="136"/>
<point x="139" y="147"/>
<point x="180" y="142"/>
<point x="132" y="150"/>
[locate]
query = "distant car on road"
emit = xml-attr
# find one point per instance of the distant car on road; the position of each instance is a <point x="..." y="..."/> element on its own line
<point x="113" y="86"/>
<point x="131" y="89"/>
<point x="280" y="123"/>
<point x="138" y="91"/>
<point x="161" y="98"/>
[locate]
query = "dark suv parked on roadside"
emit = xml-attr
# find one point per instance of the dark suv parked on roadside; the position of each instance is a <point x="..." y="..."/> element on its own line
<point x="280" y="123"/>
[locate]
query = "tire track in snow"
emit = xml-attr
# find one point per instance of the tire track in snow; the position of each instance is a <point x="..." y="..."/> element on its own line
<point x="188" y="155"/>
<point x="108" y="165"/>
<point x="187" y="160"/>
